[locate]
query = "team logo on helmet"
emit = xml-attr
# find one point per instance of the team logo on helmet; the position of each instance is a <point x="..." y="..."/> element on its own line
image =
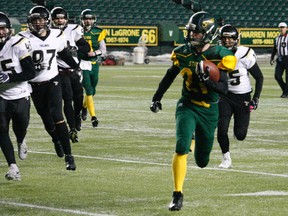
<point x="208" y="22"/>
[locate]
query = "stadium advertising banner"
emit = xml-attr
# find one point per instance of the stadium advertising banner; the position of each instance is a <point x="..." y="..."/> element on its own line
<point x="252" y="37"/>
<point x="130" y="35"/>
<point x="258" y="37"/>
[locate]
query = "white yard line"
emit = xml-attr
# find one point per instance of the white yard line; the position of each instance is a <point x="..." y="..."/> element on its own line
<point x="168" y="165"/>
<point x="262" y="193"/>
<point x="52" y="209"/>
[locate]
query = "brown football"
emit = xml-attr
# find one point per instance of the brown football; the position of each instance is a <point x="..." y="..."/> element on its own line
<point x="214" y="70"/>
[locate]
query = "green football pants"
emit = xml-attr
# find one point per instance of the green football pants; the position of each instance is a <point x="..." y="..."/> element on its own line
<point x="191" y="118"/>
<point x="90" y="79"/>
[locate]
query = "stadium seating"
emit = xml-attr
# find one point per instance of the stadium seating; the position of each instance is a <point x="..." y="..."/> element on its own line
<point x="250" y="13"/>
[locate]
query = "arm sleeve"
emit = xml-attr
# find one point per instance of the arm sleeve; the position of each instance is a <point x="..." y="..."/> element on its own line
<point x="83" y="46"/>
<point x="102" y="47"/>
<point x="274" y="51"/>
<point x="66" y="57"/>
<point x="221" y="86"/>
<point x="166" y="82"/>
<point x="28" y="71"/>
<point x="258" y="76"/>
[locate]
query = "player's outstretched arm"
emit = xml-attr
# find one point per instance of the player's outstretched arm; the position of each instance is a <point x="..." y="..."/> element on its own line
<point x="165" y="83"/>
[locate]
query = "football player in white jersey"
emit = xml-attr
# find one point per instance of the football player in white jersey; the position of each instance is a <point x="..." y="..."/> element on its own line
<point x="72" y="89"/>
<point x="16" y="67"/>
<point x="46" y="86"/>
<point x="238" y="101"/>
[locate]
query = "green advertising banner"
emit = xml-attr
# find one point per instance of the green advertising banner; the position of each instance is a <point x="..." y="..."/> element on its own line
<point x="130" y="35"/>
<point x="252" y="37"/>
<point x="182" y="34"/>
<point x="258" y="37"/>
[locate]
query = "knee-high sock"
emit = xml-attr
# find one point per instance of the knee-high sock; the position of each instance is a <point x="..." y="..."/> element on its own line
<point x="179" y="168"/>
<point x="53" y="135"/>
<point x="63" y="135"/>
<point x="7" y="148"/>
<point x="90" y="105"/>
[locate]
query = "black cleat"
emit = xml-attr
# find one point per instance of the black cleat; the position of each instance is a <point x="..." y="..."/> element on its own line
<point x="78" y="122"/>
<point x="70" y="165"/>
<point x="84" y="114"/>
<point x="58" y="149"/>
<point x="177" y="201"/>
<point x="94" y="121"/>
<point x="73" y="135"/>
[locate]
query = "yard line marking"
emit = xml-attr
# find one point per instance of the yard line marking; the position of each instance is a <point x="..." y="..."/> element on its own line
<point x="52" y="209"/>
<point x="168" y="165"/>
<point x="262" y="193"/>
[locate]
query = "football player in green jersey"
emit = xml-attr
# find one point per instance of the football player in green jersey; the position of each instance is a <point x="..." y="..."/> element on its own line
<point x="197" y="109"/>
<point x="95" y="36"/>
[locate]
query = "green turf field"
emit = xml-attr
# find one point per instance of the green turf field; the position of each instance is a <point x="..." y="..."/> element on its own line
<point x="124" y="165"/>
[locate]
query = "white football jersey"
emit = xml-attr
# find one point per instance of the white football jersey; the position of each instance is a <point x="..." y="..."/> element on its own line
<point x="14" y="50"/>
<point x="44" y="53"/>
<point x="239" y="80"/>
<point x="73" y="33"/>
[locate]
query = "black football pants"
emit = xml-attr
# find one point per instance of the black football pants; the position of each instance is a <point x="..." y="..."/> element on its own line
<point x="237" y="106"/>
<point x="19" y="111"/>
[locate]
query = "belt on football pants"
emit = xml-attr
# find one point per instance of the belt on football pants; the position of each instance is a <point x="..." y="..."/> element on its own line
<point x="203" y="103"/>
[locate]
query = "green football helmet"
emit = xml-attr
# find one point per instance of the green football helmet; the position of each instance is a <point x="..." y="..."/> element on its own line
<point x="87" y="14"/>
<point x="201" y="22"/>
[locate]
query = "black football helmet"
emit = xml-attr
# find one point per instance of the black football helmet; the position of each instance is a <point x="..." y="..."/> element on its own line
<point x="229" y="31"/>
<point x="201" y="22"/>
<point x="6" y="24"/>
<point x="59" y="12"/>
<point x="38" y="12"/>
<point x="87" y="14"/>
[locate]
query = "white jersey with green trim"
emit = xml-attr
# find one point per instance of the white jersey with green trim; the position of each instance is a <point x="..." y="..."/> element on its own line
<point x="239" y="80"/>
<point x="15" y="49"/>
<point x="44" y="53"/>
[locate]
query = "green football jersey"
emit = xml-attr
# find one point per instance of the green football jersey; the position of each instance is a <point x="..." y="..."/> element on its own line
<point x="93" y="37"/>
<point x="186" y="58"/>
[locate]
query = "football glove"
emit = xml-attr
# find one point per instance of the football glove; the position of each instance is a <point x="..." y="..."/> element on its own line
<point x="72" y="49"/>
<point x="272" y="61"/>
<point x="253" y="104"/>
<point x="4" y="78"/>
<point x="155" y="106"/>
<point x="202" y="73"/>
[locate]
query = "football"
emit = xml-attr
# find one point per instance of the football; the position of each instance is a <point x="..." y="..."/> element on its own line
<point x="213" y="70"/>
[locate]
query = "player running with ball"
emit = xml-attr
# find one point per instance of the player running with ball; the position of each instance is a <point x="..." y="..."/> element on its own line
<point x="197" y="109"/>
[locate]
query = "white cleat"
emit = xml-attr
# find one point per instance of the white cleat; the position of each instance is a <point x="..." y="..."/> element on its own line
<point x="13" y="173"/>
<point x="22" y="150"/>
<point x="226" y="161"/>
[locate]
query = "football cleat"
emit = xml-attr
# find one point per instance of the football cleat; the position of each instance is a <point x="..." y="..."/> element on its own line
<point x="73" y="135"/>
<point x="94" y="121"/>
<point x="226" y="161"/>
<point x="78" y="122"/>
<point x="59" y="149"/>
<point x="70" y="165"/>
<point x="13" y="173"/>
<point x="22" y="150"/>
<point x="177" y="201"/>
<point x="84" y="114"/>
